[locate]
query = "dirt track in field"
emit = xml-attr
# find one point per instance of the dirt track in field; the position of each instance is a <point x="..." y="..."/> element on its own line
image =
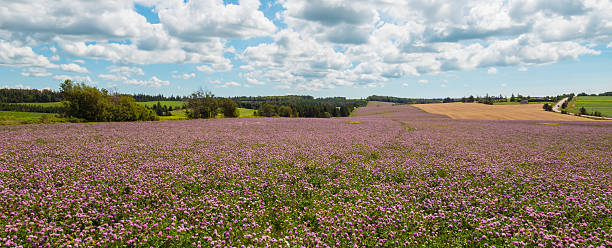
<point x="496" y="112"/>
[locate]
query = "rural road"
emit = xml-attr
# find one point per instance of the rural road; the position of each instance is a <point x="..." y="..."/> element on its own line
<point x="558" y="105"/>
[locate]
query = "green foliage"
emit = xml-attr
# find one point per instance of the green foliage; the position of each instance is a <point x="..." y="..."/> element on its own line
<point x="547" y="107"/>
<point x="202" y="105"/>
<point x="126" y="109"/>
<point x="229" y="108"/>
<point x="28" y="95"/>
<point x="90" y="103"/>
<point x="205" y="105"/>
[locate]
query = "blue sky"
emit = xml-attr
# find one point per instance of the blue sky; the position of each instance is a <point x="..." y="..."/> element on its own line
<point x="321" y="48"/>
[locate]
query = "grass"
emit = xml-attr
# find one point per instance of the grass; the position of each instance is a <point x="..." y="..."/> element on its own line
<point x="243" y="112"/>
<point x="14" y="118"/>
<point x="353" y="122"/>
<point x="173" y="104"/>
<point x="42" y="104"/>
<point x="603" y="104"/>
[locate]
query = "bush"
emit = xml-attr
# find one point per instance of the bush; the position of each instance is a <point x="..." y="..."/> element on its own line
<point x="583" y="111"/>
<point x="89" y="103"/>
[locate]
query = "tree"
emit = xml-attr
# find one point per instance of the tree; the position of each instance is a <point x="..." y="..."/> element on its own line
<point x="229" y="108"/>
<point x="126" y="109"/>
<point x="471" y="99"/>
<point x="267" y="110"/>
<point x="583" y="111"/>
<point x="85" y="102"/>
<point x="547" y="107"/>
<point x="202" y="105"/>
<point x="89" y="103"/>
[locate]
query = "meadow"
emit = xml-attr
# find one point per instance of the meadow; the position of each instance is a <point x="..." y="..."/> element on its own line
<point x="389" y="176"/>
<point x="16" y="118"/>
<point x="603" y="104"/>
<point x="173" y="104"/>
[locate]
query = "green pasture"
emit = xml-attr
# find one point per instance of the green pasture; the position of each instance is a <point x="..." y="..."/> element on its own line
<point x="602" y="104"/>
<point x="173" y="104"/>
<point x="14" y="118"/>
<point x="243" y="112"/>
<point x="42" y="104"/>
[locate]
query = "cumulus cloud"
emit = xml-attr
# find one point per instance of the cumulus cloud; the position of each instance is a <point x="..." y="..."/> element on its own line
<point x="36" y="72"/>
<point x="318" y="44"/>
<point x="153" y="82"/>
<point x="222" y="84"/>
<point x="201" y="20"/>
<point x="13" y="54"/>
<point x="84" y="79"/>
<point x="125" y="70"/>
<point x="184" y="76"/>
<point x="73" y="68"/>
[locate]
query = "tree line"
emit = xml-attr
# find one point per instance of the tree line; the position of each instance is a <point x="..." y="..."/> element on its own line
<point x="29" y="95"/>
<point x="300" y="106"/>
<point x="30" y="108"/>
<point x="401" y="100"/>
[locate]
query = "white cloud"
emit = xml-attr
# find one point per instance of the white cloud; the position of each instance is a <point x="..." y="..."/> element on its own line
<point x="84" y="79"/>
<point x="321" y="44"/>
<point x="185" y="76"/>
<point x="125" y="70"/>
<point x="504" y="85"/>
<point x="13" y="54"/>
<point x="73" y="68"/>
<point x="523" y="68"/>
<point x="405" y="84"/>
<point x="254" y="81"/>
<point x="113" y="77"/>
<point x="222" y="84"/>
<point x="36" y="72"/>
<point x="153" y="82"/>
<point x="443" y="85"/>
<point x="423" y="81"/>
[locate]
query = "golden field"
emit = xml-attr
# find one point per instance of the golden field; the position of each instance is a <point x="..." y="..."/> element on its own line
<point x="496" y="112"/>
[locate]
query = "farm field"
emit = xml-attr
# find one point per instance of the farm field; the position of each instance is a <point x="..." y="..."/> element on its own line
<point x="518" y="103"/>
<point x="173" y="104"/>
<point x="401" y="178"/>
<point x="603" y="104"/>
<point x="43" y="104"/>
<point x="14" y="117"/>
<point x="495" y="112"/>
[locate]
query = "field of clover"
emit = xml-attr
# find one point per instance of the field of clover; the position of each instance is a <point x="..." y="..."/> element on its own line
<point x="390" y="176"/>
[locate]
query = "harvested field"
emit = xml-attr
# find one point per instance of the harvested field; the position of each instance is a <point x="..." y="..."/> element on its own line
<point x="496" y="112"/>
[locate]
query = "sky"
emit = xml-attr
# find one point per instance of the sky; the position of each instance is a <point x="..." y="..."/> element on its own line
<point x="351" y="48"/>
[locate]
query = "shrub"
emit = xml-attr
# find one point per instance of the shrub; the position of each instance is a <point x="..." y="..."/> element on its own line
<point x="91" y="104"/>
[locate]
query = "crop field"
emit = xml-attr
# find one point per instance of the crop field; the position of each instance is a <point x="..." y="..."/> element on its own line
<point x="14" y="117"/>
<point x="173" y="104"/>
<point x="603" y="104"/>
<point x="495" y="112"/>
<point x="401" y="178"/>
<point x="43" y="104"/>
